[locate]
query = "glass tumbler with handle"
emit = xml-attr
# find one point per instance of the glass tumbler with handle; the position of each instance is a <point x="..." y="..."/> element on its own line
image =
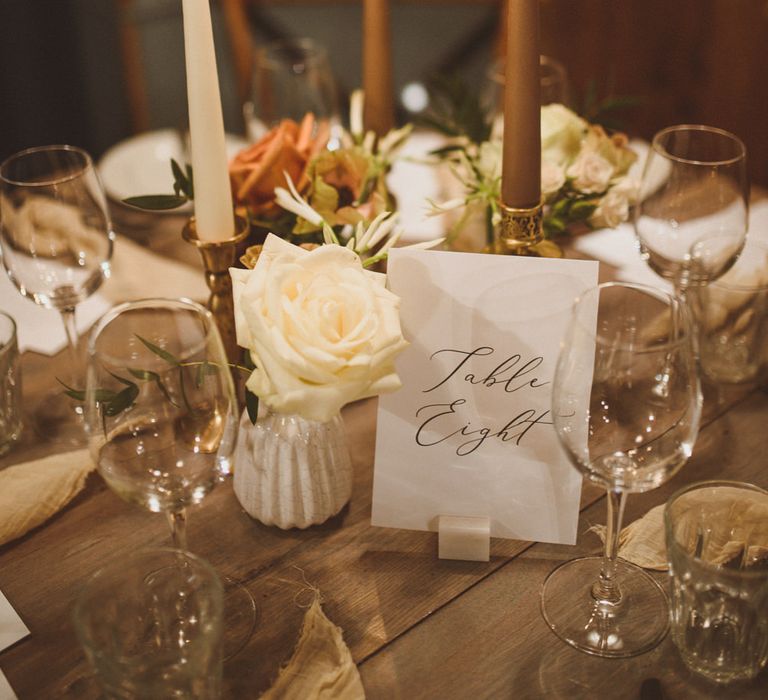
<point x="56" y="241"/>
<point x="692" y="215"/>
<point x="628" y="432"/>
<point x="161" y="414"/>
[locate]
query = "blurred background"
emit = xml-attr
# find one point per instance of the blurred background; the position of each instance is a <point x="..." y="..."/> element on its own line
<point x="94" y="72"/>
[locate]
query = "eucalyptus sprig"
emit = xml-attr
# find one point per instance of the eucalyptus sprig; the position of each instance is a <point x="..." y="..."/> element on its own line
<point x="183" y="188"/>
<point x="112" y="403"/>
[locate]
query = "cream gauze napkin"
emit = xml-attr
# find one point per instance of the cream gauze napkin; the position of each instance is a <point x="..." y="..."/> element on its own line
<point x="643" y="541"/>
<point x="32" y="492"/>
<point x="321" y="667"/>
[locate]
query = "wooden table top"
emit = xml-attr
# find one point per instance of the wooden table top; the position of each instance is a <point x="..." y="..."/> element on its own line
<point x="417" y="626"/>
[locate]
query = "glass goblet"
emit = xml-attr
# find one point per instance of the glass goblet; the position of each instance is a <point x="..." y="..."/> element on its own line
<point x="291" y="79"/>
<point x="56" y="242"/>
<point x="627" y="432"/>
<point x="161" y="416"/>
<point x="692" y="214"/>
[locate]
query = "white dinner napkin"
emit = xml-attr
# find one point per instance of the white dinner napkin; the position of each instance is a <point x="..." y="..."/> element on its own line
<point x="618" y="248"/>
<point x="6" y="692"/>
<point x="12" y="629"/>
<point x="136" y="273"/>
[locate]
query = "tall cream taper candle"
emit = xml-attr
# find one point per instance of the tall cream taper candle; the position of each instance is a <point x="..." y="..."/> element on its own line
<point x="214" y="215"/>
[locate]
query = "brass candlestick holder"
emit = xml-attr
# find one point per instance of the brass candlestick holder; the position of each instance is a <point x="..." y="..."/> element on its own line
<point x="520" y="230"/>
<point x="218" y="257"/>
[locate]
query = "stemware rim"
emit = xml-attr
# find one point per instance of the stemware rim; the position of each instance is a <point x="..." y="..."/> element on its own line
<point x="671" y="538"/>
<point x="87" y="165"/>
<point x="12" y="338"/>
<point x="120" y="562"/>
<point x="309" y="51"/>
<point x="661" y="150"/>
<point x="681" y="334"/>
<point x="166" y="302"/>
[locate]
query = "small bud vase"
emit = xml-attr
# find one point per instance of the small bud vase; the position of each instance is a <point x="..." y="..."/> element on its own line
<point x="290" y="471"/>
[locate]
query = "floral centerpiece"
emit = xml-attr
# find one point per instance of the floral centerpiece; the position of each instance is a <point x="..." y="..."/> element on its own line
<point x="321" y="331"/>
<point x="584" y="171"/>
<point x="306" y="187"/>
<point x="298" y="184"/>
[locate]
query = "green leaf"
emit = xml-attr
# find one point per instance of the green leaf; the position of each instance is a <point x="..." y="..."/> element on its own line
<point x="205" y="369"/>
<point x="182" y="180"/>
<point x="553" y="225"/>
<point x="75" y="394"/>
<point x="582" y="209"/>
<point x="156" y="202"/>
<point x="150" y="376"/>
<point x="164" y="354"/>
<point x="446" y="150"/>
<point x="124" y="399"/>
<point x="104" y="395"/>
<point x="145" y="374"/>
<point x="252" y="405"/>
<point x="122" y="380"/>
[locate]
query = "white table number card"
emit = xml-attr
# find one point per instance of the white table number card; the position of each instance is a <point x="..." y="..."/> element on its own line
<point x="470" y="432"/>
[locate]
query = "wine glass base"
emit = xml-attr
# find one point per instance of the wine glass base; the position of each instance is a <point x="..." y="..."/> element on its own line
<point x="633" y="626"/>
<point x="59" y="420"/>
<point x="241" y="615"/>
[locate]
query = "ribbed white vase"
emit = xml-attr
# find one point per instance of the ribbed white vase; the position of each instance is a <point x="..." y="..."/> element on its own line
<point x="290" y="471"/>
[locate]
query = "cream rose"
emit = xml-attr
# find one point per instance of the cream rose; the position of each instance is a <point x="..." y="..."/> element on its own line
<point x="562" y="132"/>
<point x="552" y="177"/>
<point x="613" y="208"/>
<point x="321" y="330"/>
<point x="591" y="173"/>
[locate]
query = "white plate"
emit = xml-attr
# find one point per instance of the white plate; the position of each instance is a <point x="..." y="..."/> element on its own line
<point x="141" y="164"/>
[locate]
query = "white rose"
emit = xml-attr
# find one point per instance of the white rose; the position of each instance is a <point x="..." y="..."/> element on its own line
<point x="561" y="133"/>
<point x="489" y="159"/>
<point x="321" y="330"/>
<point x="613" y="208"/>
<point x="552" y="177"/>
<point x="591" y="173"/>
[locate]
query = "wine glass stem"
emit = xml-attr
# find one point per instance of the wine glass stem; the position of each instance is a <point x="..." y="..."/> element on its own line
<point x="178" y="522"/>
<point x="70" y="328"/>
<point x="606" y="590"/>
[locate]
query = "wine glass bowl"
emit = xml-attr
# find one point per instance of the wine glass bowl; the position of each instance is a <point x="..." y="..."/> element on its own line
<point x="692" y="214"/>
<point x="640" y="393"/>
<point x="56" y="243"/>
<point x="56" y="233"/>
<point x="160" y="403"/>
<point x="290" y="79"/>
<point x="161" y="415"/>
<point x="626" y="406"/>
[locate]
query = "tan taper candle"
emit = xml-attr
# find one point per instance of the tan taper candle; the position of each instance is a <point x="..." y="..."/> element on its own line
<point x="378" y="113"/>
<point x="521" y="165"/>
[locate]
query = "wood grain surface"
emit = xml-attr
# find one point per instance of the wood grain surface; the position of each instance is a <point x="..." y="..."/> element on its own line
<point x="418" y="627"/>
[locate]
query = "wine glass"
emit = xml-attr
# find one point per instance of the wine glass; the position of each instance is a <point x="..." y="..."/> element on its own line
<point x="290" y="79"/>
<point x="161" y="415"/>
<point x="627" y="432"/>
<point x="691" y="219"/>
<point x="56" y="242"/>
<point x="554" y="85"/>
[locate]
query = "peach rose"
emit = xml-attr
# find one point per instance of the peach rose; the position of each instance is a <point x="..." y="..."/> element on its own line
<point x="258" y="169"/>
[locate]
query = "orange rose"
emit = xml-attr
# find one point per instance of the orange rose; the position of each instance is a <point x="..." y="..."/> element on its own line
<point x="258" y="169"/>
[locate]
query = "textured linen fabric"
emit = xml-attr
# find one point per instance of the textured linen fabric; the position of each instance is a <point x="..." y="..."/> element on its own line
<point x="321" y="667"/>
<point x="31" y="492"/>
